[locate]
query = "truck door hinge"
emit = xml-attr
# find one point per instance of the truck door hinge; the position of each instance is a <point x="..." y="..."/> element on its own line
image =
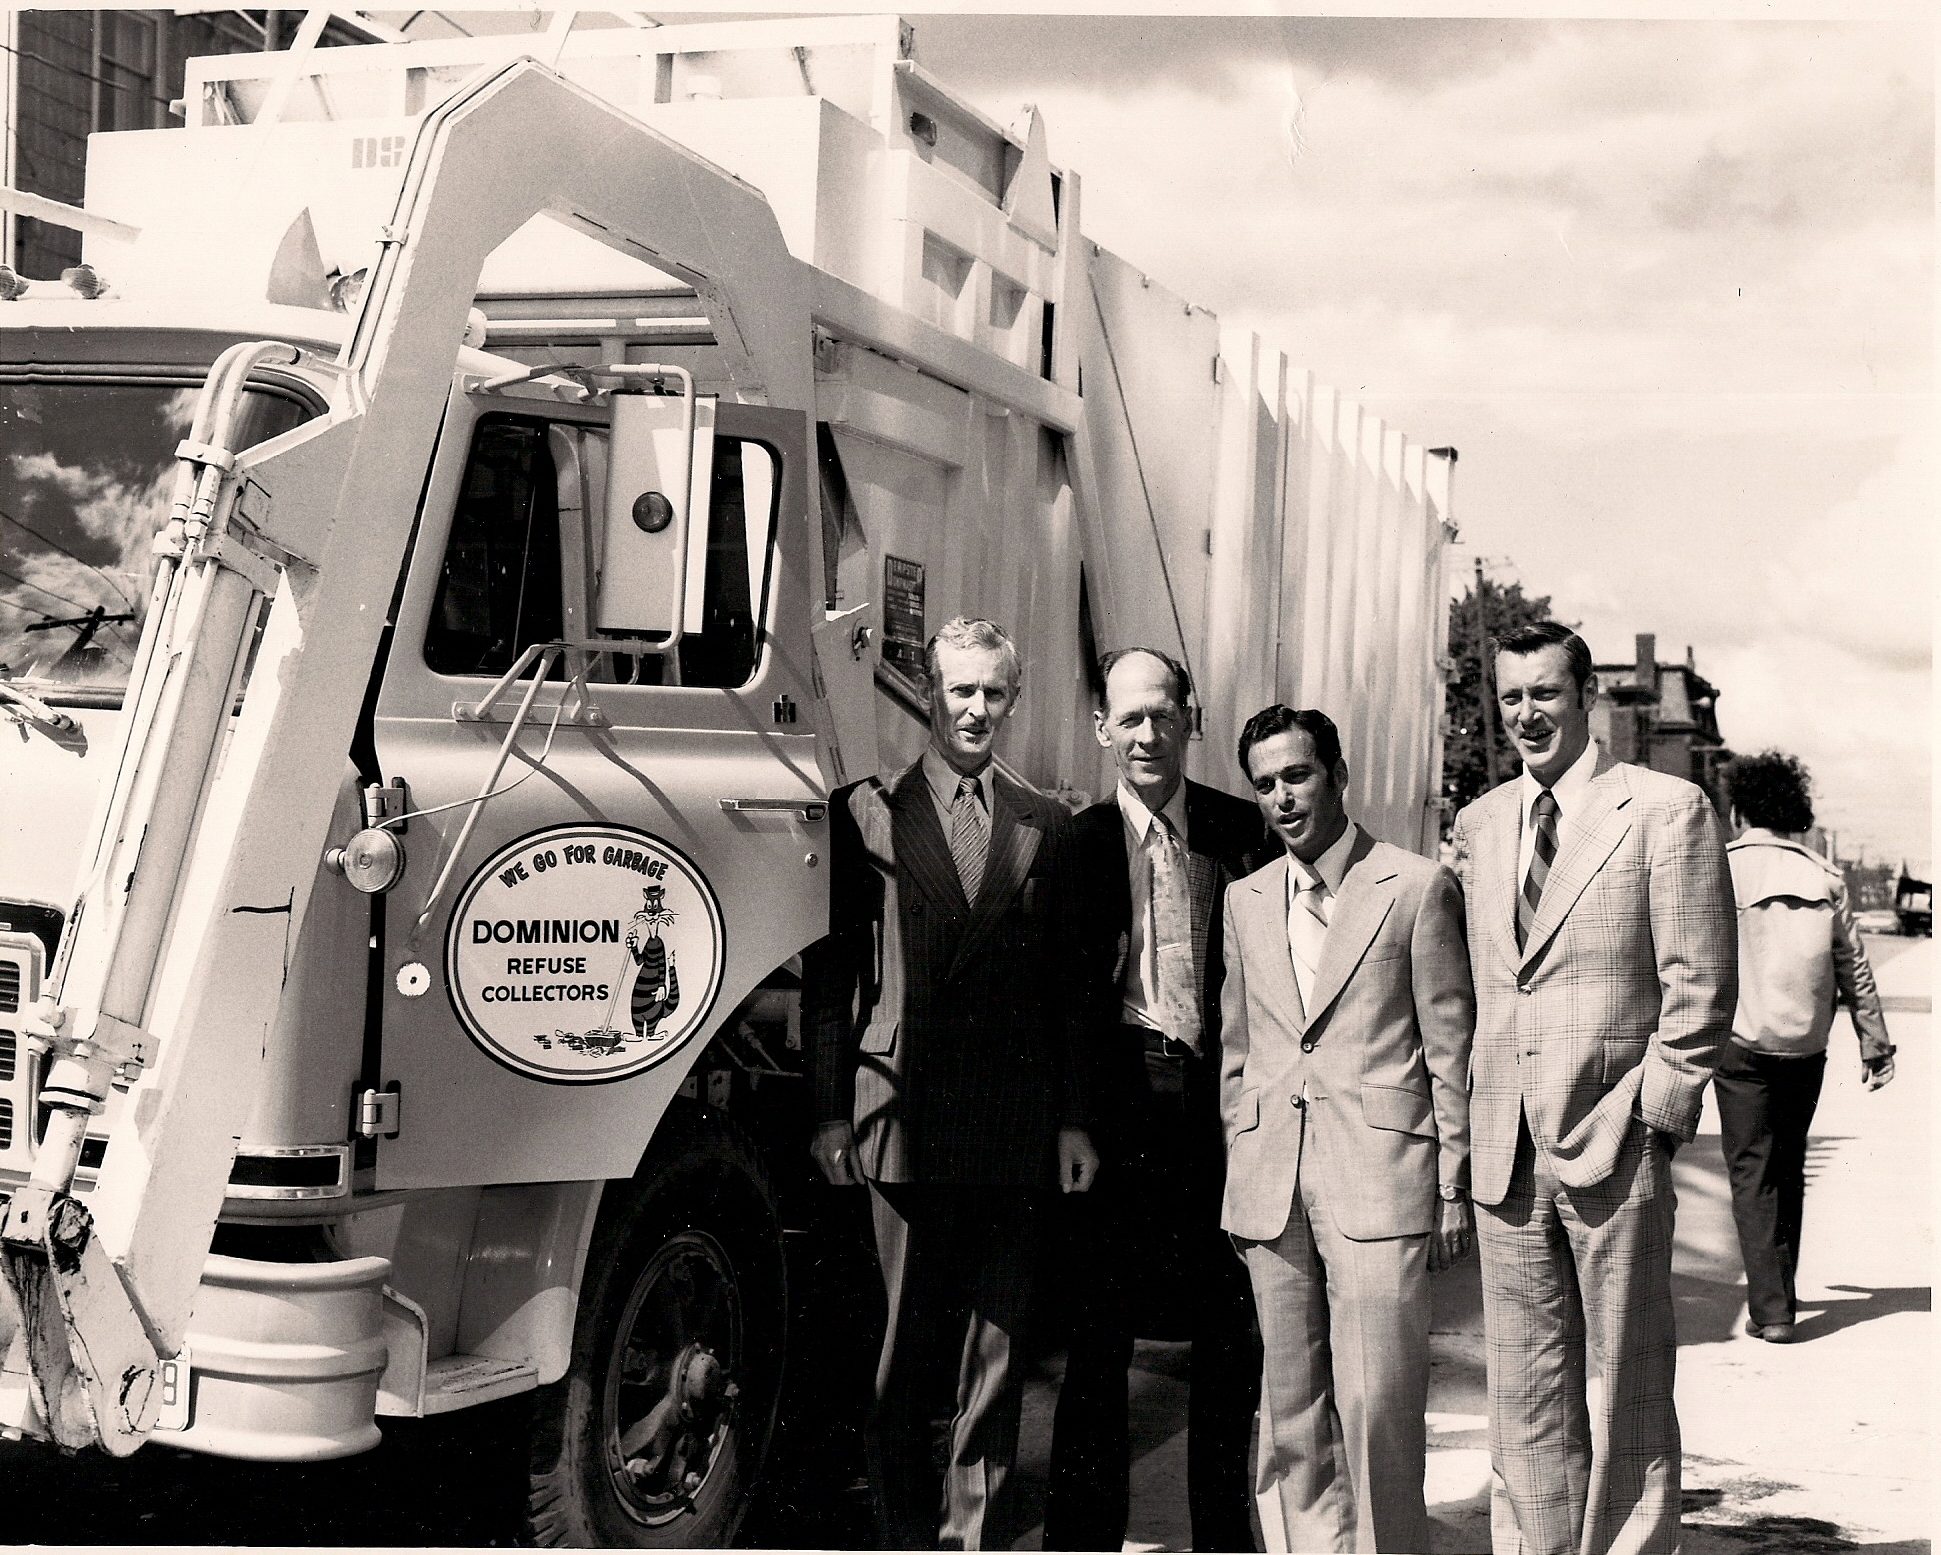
<point x="380" y="1113"/>
<point x="386" y="802"/>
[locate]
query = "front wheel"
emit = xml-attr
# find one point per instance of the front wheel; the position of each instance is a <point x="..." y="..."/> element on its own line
<point x="655" y="1436"/>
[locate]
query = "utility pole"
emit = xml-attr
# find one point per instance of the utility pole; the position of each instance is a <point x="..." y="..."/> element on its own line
<point x="1487" y="690"/>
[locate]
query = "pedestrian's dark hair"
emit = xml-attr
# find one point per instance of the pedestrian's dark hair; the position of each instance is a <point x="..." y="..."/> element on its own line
<point x="1182" y="682"/>
<point x="1279" y="718"/>
<point x="1772" y="790"/>
<point x="1539" y="635"/>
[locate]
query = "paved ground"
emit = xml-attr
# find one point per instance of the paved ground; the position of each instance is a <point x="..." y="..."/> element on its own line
<point x="1818" y="1448"/>
<point x="1823" y="1446"/>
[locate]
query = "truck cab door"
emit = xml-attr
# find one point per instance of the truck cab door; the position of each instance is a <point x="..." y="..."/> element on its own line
<point x="652" y="846"/>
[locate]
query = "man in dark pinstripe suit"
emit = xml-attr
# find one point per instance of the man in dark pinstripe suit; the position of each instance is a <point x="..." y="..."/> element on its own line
<point x="944" y="1006"/>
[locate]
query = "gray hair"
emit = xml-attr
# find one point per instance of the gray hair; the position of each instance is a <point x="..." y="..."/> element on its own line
<point x="974" y="632"/>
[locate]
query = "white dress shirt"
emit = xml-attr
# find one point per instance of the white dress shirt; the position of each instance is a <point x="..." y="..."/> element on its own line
<point x="1571" y="790"/>
<point x="943" y="779"/>
<point x="1328" y="870"/>
<point x="1142" y="970"/>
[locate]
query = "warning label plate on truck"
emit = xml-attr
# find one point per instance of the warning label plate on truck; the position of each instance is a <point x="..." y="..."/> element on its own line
<point x="584" y="953"/>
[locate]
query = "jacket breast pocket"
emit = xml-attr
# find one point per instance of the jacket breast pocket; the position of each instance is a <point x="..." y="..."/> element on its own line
<point x="879" y="1036"/>
<point x="1395" y="1107"/>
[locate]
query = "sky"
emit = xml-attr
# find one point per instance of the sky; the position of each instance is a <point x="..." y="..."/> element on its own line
<point x="1666" y="285"/>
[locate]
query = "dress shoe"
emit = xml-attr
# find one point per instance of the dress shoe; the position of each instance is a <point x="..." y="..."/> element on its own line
<point x="1772" y="1333"/>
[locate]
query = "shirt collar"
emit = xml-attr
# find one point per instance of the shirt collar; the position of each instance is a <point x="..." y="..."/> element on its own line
<point x="1331" y="868"/>
<point x="943" y="778"/>
<point x="1569" y="788"/>
<point x="1139" y="818"/>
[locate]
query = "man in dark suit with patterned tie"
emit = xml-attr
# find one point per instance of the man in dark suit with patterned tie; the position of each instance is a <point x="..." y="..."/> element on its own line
<point x="944" y="1010"/>
<point x="1155" y="859"/>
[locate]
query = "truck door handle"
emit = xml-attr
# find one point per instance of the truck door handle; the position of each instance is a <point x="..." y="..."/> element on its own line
<point x="803" y="809"/>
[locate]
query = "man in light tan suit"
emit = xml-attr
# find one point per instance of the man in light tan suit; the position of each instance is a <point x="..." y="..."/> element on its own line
<point x="1346" y="1018"/>
<point x="1602" y="944"/>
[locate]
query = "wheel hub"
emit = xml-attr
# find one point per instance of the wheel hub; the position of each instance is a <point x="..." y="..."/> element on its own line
<point x="671" y="1389"/>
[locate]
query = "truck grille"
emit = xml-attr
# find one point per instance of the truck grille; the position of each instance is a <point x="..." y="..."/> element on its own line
<point x="9" y="987"/>
<point x="6" y="1124"/>
<point x="9" y="1053"/>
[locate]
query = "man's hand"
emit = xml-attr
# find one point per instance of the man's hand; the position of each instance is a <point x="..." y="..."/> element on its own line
<point x="1878" y="1073"/>
<point x="1078" y="1162"/>
<point x="834" y="1149"/>
<point x="1449" y="1242"/>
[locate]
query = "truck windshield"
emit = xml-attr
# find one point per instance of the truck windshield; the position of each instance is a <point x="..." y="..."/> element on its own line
<point x="85" y="472"/>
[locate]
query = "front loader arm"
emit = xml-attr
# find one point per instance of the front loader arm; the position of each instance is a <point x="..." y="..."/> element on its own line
<point x="174" y="958"/>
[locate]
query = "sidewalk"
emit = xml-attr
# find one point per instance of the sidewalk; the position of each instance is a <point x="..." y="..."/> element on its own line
<point x="1816" y="1448"/>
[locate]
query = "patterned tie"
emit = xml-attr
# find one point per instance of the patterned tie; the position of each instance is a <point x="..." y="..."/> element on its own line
<point x="968" y="842"/>
<point x="1177" y="987"/>
<point x="1307" y="932"/>
<point x="1544" y="813"/>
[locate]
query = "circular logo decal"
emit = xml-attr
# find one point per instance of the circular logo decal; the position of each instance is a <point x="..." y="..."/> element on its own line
<point x="584" y="953"/>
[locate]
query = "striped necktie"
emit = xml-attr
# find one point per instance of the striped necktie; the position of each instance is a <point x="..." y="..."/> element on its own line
<point x="969" y="843"/>
<point x="1544" y="814"/>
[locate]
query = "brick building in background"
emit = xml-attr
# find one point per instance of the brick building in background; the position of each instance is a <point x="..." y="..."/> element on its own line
<point x="1662" y="716"/>
<point x="67" y="73"/>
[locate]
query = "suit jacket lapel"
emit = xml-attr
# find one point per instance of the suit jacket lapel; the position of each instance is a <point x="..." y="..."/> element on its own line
<point x="1594" y="836"/>
<point x="1498" y="844"/>
<point x="1264" y="927"/>
<point x="1359" y="911"/>
<point x="1015" y="836"/>
<point x="922" y="850"/>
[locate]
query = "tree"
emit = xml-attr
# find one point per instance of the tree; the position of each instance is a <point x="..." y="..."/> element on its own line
<point x="1465" y="761"/>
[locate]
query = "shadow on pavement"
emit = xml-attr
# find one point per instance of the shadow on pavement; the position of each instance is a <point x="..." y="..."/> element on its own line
<point x="1865" y="1304"/>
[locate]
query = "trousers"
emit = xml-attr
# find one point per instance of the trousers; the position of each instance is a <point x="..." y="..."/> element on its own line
<point x="1572" y="1275"/>
<point x="957" y="1269"/>
<point x="1152" y="1224"/>
<point x="1766" y="1107"/>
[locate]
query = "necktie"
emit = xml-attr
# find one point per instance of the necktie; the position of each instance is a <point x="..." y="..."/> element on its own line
<point x="1176" y="986"/>
<point x="1307" y="931"/>
<point x="1544" y="814"/>
<point x="968" y="843"/>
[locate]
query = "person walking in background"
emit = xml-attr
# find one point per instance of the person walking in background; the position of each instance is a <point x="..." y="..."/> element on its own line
<point x="944" y="1006"/>
<point x="1152" y="862"/>
<point x="1346" y="1022"/>
<point x="1601" y="941"/>
<point x="1799" y="955"/>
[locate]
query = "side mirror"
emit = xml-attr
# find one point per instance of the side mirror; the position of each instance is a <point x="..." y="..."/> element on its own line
<point x="659" y="469"/>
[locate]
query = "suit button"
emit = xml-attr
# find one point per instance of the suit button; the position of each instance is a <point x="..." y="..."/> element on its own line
<point x="1299" y="1101"/>
<point x="1307" y="1045"/>
<point x="1524" y="988"/>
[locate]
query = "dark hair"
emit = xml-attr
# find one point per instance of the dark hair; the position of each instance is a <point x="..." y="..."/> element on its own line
<point x="1771" y="790"/>
<point x="1539" y="635"/>
<point x="1280" y="718"/>
<point x="1182" y="682"/>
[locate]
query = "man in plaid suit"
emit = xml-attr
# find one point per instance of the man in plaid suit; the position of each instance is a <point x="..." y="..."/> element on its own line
<point x="1601" y="943"/>
<point x="1153" y="860"/>
<point x="944" y="1008"/>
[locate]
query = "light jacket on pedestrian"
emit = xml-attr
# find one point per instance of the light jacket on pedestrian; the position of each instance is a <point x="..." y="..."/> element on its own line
<point x="1799" y="951"/>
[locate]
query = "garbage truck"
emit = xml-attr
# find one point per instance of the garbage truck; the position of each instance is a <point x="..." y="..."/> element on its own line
<point x="470" y="507"/>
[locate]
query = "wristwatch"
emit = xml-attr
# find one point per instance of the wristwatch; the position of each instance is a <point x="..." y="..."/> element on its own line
<point x="1449" y="1193"/>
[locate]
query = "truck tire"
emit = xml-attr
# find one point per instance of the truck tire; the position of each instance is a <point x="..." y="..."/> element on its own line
<point x="655" y="1437"/>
